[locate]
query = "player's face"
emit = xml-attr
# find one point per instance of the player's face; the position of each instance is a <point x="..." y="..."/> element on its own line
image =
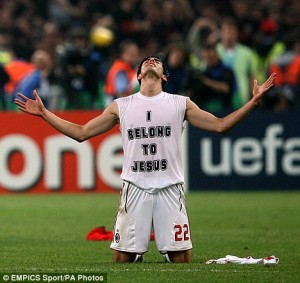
<point x="154" y="65"/>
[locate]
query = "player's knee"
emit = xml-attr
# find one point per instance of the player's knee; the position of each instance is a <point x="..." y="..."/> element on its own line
<point x="122" y="257"/>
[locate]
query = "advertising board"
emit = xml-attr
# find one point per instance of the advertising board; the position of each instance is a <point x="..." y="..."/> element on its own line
<point x="261" y="153"/>
<point x="36" y="158"/>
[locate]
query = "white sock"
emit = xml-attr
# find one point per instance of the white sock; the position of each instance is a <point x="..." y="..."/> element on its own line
<point x="167" y="258"/>
<point x="138" y="258"/>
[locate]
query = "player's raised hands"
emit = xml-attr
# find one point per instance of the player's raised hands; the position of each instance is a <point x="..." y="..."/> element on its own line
<point x="259" y="90"/>
<point x="30" y="106"/>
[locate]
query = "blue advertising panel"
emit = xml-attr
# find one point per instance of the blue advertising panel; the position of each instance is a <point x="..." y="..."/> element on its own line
<point x="260" y="153"/>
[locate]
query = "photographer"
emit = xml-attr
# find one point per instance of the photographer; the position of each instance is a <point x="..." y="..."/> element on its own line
<point x="71" y="71"/>
<point x="203" y="31"/>
<point x="211" y="87"/>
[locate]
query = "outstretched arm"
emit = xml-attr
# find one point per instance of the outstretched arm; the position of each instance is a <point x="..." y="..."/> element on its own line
<point x="207" y="121"/>
<point x="101" y="124"/>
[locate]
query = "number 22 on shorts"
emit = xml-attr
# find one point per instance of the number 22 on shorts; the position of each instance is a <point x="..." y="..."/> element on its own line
<point x="181" y="232"/>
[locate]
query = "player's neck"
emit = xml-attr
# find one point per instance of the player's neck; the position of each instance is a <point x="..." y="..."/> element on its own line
<point x="151" y="87"/>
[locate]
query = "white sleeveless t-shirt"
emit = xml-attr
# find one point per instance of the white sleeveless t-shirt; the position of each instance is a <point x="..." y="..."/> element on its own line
<point x="151" y="130"/>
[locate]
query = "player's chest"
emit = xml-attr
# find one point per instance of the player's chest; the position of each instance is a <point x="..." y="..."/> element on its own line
<point x="150" y="115"/>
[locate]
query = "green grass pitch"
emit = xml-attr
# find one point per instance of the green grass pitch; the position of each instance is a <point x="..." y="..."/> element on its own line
<point x="46" y="233"/>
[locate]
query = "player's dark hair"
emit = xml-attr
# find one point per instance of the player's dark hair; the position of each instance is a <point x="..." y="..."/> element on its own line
<point x="165" y="70"/>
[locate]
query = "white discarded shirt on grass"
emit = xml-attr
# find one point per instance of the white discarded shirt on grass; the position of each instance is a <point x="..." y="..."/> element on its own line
<point x="269" y="260"/>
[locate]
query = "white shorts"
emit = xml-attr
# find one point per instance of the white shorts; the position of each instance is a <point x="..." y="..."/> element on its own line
<point x="139" y="211"/>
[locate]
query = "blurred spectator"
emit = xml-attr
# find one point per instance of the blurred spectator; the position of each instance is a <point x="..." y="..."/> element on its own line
<point x="5" y="49"/>
<point x="24" y="38"/>
<point x="30" y="25"/>
<point x="99" y="8"/>
<point x="17" y="69"/>
<point x="67" y="11"/>
<point x="286" y="91"/>
<point x="267" y="48"/>
<point x="238" y="57"/>
<point x="70" y="70"/>
<point x="176" y="63"/>
<point x="211" y="86"/>
<point x="287" y="13"/>
<point x="4" y="77"/>
<point x="152" y="46"/>
<point x="50" y="37"/>
<point x="130" y="22"/>
<point x="168" y="19"/>
<point x="38" y="78"/>
<point x="17" y="21"/>
<point x="102" y="39"/>
<point x="203" y="31"/>
<point x="210" y="9"/>
<point x="242" y="12"/>
<point x="121" y="78"/>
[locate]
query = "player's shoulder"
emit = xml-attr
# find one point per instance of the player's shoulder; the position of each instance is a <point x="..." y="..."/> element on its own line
<point x="176" y="97"/>
<point x="126" y="99"/>
<point x="173" y="95"/>
<point x="126" y="102"/>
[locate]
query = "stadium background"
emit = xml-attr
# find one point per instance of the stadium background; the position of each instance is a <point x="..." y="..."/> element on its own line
<point x="261" y="153"/>
<point x="243" y="194"/>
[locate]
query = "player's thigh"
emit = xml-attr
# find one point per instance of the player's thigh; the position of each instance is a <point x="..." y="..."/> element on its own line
<point x="170" y="220"/>
<point x="133" y="221"/>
